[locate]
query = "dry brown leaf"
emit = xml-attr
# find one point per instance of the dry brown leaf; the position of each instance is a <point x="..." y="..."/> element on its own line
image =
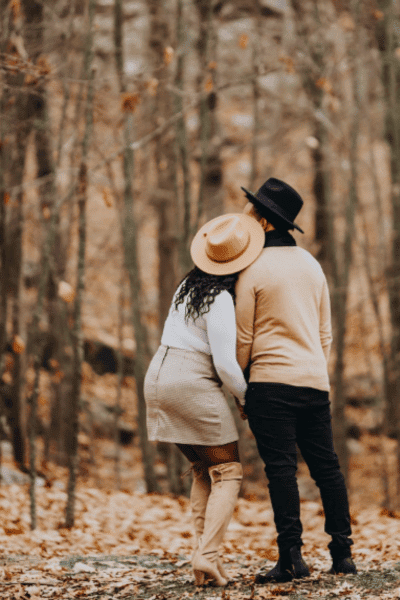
<point x="129" y="102"/>
<point x="7" y="378"/>
<point x="107" y="197"/>
<point x="209" y="84"/>
<point x="18" y="344"/>
<point x="16" y="9"/>
<point x="152" y="86"/>
<point x="243" y="40"/>
<point x="43" y="65"/>
<point x="46" y="212"/>
<point x="66" y="292"/>
<point x="346" y="21"/>
<point x="168" y="55"/>
<point x="324" y="84"/>
<point x="378" y="15"/>
<point x="288" y="62"/>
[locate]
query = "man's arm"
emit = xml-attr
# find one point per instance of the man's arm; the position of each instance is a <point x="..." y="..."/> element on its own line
<point x="245" y="311"/>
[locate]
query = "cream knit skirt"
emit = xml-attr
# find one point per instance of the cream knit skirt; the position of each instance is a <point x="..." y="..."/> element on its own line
<point x="184" y="400"/>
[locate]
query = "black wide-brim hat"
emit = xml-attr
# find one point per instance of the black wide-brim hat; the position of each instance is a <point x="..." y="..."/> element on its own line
<point x="277" y="198"/>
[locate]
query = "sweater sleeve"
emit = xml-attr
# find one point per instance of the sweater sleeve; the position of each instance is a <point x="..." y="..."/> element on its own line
<point x="325" y="326"/>
<point x="245" y="311"/>
<point x="221" y="330"/>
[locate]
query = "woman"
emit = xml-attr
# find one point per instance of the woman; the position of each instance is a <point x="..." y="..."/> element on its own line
<point x="183" y="385"/>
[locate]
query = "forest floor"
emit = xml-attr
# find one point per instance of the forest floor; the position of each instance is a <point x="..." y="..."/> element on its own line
<point x="134" y="546"/>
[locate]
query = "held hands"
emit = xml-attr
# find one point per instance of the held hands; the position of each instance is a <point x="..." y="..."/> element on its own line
<point x="241" y="410"/>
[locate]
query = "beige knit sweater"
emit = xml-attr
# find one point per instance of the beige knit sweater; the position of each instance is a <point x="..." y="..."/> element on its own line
<point x="283" y="319"/>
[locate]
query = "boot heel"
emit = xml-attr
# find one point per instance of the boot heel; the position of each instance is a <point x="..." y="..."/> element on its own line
<point x="202" y="567"/>
<point x="198" y="577"/>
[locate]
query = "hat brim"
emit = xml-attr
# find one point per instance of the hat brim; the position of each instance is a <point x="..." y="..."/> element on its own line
<point x="271" y="209"/>
<point x="253" y="250"/>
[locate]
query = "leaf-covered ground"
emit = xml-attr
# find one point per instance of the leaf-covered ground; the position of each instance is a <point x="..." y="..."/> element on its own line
<point x="137" y="546"/>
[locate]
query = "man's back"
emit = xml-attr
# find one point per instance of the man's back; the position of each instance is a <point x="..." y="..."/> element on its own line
<point x="283" y="318"/>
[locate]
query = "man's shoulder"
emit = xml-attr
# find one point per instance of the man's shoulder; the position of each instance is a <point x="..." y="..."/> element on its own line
<point x="277" y="258"/>
<point x="309" y="258"/>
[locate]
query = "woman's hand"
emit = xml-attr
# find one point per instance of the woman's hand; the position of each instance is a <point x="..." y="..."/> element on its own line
<point x="241" y="410"/>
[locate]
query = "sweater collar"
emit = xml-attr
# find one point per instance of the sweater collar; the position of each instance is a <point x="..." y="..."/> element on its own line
<point x="279" y="238"/>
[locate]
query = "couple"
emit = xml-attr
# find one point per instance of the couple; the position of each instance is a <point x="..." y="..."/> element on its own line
<point x="253" y="314"/>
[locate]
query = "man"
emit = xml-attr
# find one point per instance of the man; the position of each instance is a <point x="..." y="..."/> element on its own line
<point x="283" y="342"/>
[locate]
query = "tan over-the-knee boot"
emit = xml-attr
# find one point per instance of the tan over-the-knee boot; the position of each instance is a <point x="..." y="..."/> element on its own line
<point x="226" y="479"/>
<point x="199" y="493"/>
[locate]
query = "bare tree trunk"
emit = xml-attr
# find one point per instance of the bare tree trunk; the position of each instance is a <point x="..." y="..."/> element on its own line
<point x="210" y="200"/>
<point x="165" y="157"/>
<point x="257" y="38"/>
<point x="130" y="244"/>
<point x="342" y="285"/>
<point x="117" y="406"/>
<point x="388" y="41"/>
<point x="166" y="193"/>
<point x="308" y="20"/>
<point x="182" y="143"/>
<point x="77" y="335"/>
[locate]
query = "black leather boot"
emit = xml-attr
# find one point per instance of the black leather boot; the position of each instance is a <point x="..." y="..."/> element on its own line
<point x="290" y="565"/>
<point x="342" y="563"/>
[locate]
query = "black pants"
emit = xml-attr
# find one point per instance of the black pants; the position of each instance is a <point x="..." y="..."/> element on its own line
<point x="280" y="416"/>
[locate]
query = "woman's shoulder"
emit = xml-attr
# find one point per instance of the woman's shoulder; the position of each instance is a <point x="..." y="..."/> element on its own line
<point x="223" y="300"/>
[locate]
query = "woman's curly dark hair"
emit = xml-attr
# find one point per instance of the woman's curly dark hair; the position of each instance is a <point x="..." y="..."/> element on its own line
<point x="201" y="289"/>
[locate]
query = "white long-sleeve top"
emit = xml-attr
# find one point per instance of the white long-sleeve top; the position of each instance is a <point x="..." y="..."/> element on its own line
<point x="213" y="333"/>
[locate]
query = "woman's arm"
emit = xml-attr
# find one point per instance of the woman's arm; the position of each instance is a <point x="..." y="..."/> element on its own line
<point x="221" y="330"/>
<point x="245" y="310"/>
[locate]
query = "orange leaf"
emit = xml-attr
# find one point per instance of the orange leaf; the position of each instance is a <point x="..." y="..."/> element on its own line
<point x="209" y="84"/>
<point x="6" y="198"/>
<point x="16" y="9"/>
<point x="243" y="41"/>
<point x="9" y="362"/>
<point x="7" y="378"/>
<point x="18" y="344"/>
<point x="168" y="55"/>
<point x="58" y="376"/>
<point x="288" y="62"/>
<point x="324" y="84"/>
<point x="46" y="212"/>
<point x="107" y="197"/>
<point x="43" y="65"/>
<point x="130" y="101"/>
<point x="53" y="363"/>
<point x="378" y="15"/>
<point x="346" y="22"/>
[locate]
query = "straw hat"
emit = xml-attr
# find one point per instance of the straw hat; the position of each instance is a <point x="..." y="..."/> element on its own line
<point x="227" y="244"/>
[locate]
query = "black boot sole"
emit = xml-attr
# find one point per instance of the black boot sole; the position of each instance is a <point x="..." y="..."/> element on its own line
<point x="278" y="579"/>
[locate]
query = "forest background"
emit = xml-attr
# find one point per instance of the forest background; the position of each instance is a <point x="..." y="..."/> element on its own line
<point x="124" y="126"/>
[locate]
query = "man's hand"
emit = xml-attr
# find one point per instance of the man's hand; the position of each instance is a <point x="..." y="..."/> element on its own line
<point x="241" y="410"/>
